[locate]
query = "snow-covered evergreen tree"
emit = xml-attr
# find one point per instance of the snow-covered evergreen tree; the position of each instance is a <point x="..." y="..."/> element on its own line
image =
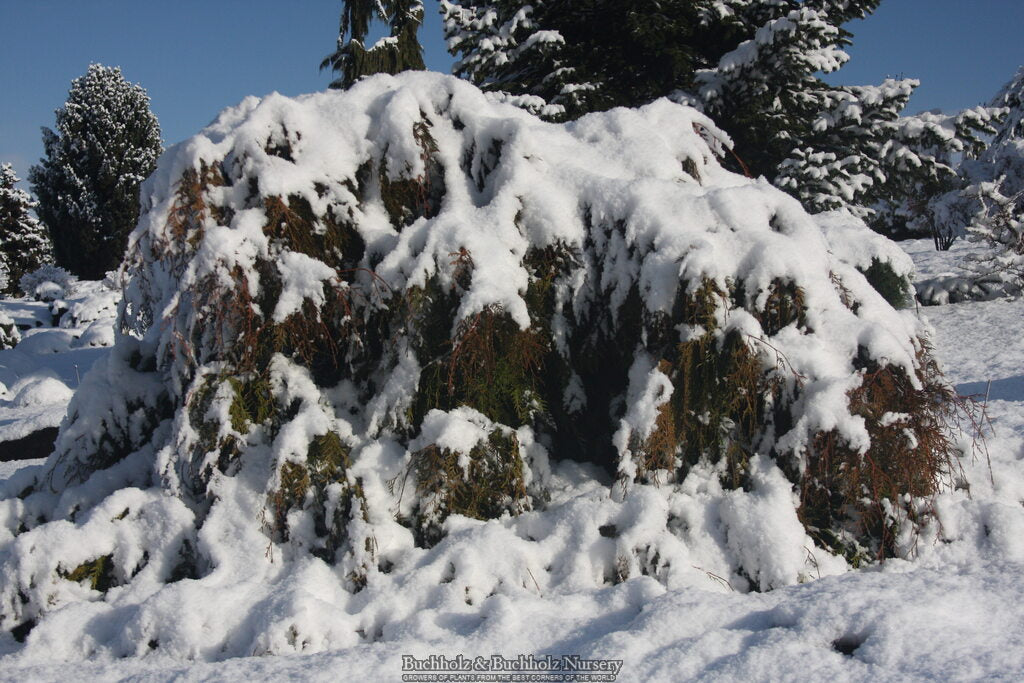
<point x="24" y="244"/>
<point x="753" y="65"/>
<point x="995" y="195"/>
<point x="105" y="144"/>
<point x="564" y="59"/>
<point x="1011" y="98"/>
<point x="921" y="163"/>
<point x="398" y="51"/>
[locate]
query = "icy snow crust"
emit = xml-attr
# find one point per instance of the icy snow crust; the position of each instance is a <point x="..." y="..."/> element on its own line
<point x="637" y="192"/>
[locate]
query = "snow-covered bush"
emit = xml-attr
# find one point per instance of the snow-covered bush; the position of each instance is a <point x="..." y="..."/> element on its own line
<point x="9" y="333"/>
<point x="887" y="267"/>
<point x="46" y="283"/>
<point x="364" y="331"/>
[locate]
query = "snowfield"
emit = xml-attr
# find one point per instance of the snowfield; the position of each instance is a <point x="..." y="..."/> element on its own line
<point x="953" y="613"/>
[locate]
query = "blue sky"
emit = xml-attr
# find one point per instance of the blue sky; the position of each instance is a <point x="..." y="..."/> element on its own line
<point x="196" y="57"/>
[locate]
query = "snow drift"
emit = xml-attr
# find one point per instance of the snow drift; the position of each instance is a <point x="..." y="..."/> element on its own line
<point x="387" y="355"/>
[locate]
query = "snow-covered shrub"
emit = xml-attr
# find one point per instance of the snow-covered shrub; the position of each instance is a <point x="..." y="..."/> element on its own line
<point x="9" y="333"/>
<point x="46" y="283"/>
<point x="887" y="267"/>
<point x="94" y="303"/>
<point x="359" y="323"/>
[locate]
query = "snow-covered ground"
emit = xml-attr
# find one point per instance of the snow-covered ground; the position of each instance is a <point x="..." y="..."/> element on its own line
<point x="954" y="613"/>
<point x="39" y="375"/>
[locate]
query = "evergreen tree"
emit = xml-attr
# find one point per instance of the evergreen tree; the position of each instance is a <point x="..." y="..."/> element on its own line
<point x="1011" y="98"/>
<point x="994" y="196"/>
<point x="399" y="51"/>
<point x="926" y="151"/>
<point x="24" y="244"/>
<point x="753" y="65"/>
<point x="564" y="59"/>
<point x="105" y="144"/>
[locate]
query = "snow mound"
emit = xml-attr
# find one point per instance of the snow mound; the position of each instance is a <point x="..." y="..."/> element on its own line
<point x="364" y="332"/>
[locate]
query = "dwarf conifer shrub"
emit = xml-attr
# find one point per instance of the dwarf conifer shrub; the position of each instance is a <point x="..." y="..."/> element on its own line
<point x="350" y="350"/>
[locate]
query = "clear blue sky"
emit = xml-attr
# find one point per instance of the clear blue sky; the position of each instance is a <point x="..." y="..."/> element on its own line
<point x="196" y="57"/>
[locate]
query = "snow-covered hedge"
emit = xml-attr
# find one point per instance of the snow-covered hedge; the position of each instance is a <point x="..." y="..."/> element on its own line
<point x="361" y="324"/>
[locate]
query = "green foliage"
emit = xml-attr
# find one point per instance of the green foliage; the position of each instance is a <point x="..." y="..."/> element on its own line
<point x="894" y="288"/>
<point x="573" y="58"/>
<point x="400" y="51"/>
<point x="105" y="144"/>
<point x="483" y="484"/>
<point x="320" y="486"/>
<point x="98" y="573"/>
<point x="490" y="365"/>
<point x="724" y="396"/>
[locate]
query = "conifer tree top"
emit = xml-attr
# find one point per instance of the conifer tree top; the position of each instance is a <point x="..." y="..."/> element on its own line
<point x="399" y="51"/>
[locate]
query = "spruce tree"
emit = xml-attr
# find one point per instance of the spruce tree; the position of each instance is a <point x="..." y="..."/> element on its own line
<point x="564" y="59"/>
<point x="399" y="51"/>
<point x="105" y="144"/>
<point x="1011" y="98"/>
<point x="24" y="244"/>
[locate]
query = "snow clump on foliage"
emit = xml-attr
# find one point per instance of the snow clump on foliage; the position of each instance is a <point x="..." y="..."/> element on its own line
<point x="366" y="334"/>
